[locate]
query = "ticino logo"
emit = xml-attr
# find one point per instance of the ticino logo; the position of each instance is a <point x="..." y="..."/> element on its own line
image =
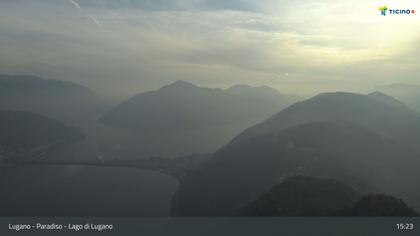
<point x="384" y="10"/>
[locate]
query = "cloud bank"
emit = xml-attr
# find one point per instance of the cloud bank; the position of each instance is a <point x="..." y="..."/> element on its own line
<point x="128" y="46"/>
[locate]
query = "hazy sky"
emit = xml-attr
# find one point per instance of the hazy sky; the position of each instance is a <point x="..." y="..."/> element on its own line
<point x="128" y="46"/>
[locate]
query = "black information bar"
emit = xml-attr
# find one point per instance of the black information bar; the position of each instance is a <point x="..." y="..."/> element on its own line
<point x="210" y="226"/>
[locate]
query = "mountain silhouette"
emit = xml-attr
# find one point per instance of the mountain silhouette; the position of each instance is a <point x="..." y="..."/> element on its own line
<point x="64" y="101"/>
<point x="24" y="131"/>
<point x="308" y="197"/>
<point x="375" y="205"/>
<point x="384" y="116"/>
<point x="182" y="118"/>
<point x="328" y="136"/>
<point x="303" y="196"/>
<point x="384" y="98"/>
<point x="262" y="93"/>
<point x="183" y="106"/>
<point x="407" y="93"/>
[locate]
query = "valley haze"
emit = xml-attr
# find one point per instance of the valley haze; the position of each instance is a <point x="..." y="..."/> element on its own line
<point x="198" y="108"/>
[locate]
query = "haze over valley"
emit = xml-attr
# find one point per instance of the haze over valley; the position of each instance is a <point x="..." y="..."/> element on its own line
<point x="208" y="108"/>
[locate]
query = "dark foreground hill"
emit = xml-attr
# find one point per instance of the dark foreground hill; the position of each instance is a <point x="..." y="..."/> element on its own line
<point x="303" y="196"/>
<point x="355" y="139"/>
<point x="307" y="196"/>
<point x="380" y="205"/>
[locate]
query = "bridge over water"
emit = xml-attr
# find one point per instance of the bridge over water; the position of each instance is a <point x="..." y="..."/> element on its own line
<point x="176" y="167"/>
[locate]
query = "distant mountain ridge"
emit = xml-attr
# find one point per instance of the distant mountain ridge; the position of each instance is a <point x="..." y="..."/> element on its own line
<point x="262" y="92"/>
<point x="23" y="131"/>
<point x="185" y="106"/>
<point x="407" y="93"/>
<point x="382" y="97"/>
<point x="12" y="83"/>
<point x="65" y="101"/>
<point x="377" y="112"/>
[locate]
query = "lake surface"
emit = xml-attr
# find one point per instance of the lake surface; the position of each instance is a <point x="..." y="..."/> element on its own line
<point x="85" y="191"/>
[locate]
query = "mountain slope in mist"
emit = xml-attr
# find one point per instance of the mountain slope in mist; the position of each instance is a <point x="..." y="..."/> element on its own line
<point x="408" y="93"/>
<point x="65" y="101"/>
<point x="262" y="94"/>
<point x="182" y="106"/>
<point x="380" y="113"/>
<point x="348" y="137"/>
<point x="26" y="130"/>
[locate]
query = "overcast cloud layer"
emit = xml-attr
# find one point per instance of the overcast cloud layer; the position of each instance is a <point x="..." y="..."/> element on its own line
<point x="124" y="47"/>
